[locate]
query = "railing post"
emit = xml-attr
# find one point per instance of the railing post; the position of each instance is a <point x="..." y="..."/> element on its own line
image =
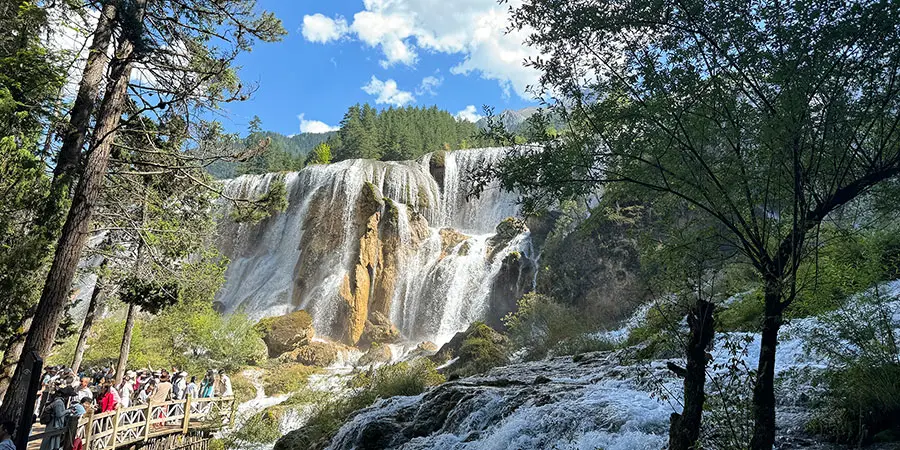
<point x="187" y="414"/>
<point x="88" y="431"/>
<point x="147" y="421"/>
<point x="115" y="427"/>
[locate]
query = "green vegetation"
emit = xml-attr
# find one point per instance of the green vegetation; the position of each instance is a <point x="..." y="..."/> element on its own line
<point x="545" y="327"/>
<point x="397" y="134"/>
<point x="193" y="337"/>
<point x="862" y="401"/>
<point x="478" y="349"/>
<point x="269" y="203"/>
<point x="404" y="378"/>
<point x="286" y="378"/>
<point x="321" y="154"/>
<point x="243" y="388"/>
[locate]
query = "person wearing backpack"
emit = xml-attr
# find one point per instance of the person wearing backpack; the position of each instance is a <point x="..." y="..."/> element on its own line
<point x="54" y="417"/>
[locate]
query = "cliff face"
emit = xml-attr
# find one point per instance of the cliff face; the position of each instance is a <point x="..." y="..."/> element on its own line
<point x="594" y="267"/>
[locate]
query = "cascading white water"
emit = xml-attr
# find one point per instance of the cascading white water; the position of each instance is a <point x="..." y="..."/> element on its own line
<point x="298" y="259"/>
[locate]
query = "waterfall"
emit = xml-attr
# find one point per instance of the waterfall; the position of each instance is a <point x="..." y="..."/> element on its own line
<point x="302" y="258"/>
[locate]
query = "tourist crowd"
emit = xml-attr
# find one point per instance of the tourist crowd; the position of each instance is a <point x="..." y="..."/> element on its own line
<point x="67" y="395"/>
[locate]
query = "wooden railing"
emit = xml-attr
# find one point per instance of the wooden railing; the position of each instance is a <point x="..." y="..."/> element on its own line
<point x="125" y="426"/>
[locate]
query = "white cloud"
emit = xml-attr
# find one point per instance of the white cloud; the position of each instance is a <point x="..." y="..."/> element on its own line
<point x="314" y="126"/>
<point x="470" y="114"/>
<point x="387" y="92"/>
<point x="473" y="29"/>
<point x="322" y="29"/>
<point x="429" y="84"/>
<point x="389" y="32"/>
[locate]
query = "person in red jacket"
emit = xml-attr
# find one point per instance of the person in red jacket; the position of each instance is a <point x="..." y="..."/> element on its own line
<point x="107" y="398"/>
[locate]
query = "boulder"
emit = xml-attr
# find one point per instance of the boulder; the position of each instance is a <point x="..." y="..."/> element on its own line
<point x="450" y="238"/>
<point x="378" y="329"/>
<point x="514" y="279"/>
<point x="377" y="354"/>
<point x="424" y="349"/>
<point x="505" y="232"/>
<point x="317" y="354"/>
<point x="477" y="350"/>
<point x="285" y="333"/>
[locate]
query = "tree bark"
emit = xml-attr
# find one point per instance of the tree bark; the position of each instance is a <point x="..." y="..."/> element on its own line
<point x="13" y="352"/>
<point x="764" y="387"/>
<point x="93" y="307"/>
<point x="65" y="170"/>
<point x="684" y="428"/>
<point x="125" y="348"/>
<point x="77" y="226"/>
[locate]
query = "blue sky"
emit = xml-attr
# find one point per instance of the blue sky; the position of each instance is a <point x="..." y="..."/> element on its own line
<point x="335" y="49"/>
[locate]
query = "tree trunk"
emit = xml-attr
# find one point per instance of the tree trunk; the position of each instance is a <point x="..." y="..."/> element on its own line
<point x="93" y="307"/>
<point x="13" y="352"/>
<point x="684" y="428"/>
<point x="77" y="227"/>
<point x="65" y="170"/>
<point x="764" y="388"/>
<point x="125" y="349"/>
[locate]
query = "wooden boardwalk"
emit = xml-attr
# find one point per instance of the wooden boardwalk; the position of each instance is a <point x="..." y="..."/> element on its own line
<point x="128" y="426"/>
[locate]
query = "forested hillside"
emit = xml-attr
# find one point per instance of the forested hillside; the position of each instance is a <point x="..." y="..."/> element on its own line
<point x="396" y="134"/>
<point x="393" y="134"/>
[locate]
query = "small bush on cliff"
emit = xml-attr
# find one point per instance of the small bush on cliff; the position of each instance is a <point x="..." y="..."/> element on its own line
<point x="243" y="388"/>
<point x="403" y="378"/>
<point x="658" y="335"/>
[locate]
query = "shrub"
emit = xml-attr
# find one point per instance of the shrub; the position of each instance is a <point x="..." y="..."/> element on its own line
<point x="543" y="326"/>
<point x="261" y="428"/>
<point x="860" y="342"/>
<point x="287" y="378"/>
<point x="744" y="314"/>
<point x="243" y="389"/>
<point x="404" y="378"/>
<point x="658" y="334"/>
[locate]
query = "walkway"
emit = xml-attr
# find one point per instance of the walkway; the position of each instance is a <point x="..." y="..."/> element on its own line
<point x="127" y="426"/>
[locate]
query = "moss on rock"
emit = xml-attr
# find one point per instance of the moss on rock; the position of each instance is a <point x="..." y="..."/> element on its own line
<point x="285" y="333"/>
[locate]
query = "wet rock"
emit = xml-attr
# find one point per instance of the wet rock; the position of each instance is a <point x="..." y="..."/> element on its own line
<point x="357" y="285"/>
<point x="377" y="354"/>
<point x="450" y="238"/>
<point x="317" y="354"/>
<point x="595" y="267"/>
<point x="378" y="330"/>
<point x="505" y="232"/>
<point x="283" y="334"/>
<point x="514" y="279"/>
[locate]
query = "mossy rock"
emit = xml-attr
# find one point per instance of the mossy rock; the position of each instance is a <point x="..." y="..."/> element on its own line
<point x="285" y="333"/>
<point x="478" y="349"/>
<point x="377" y="354"/>
<point x="450" y="238"/>
<point x="317" y="354"/>
<point x="378" y="329"/>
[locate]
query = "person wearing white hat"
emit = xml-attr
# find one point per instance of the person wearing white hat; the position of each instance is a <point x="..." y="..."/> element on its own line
<point x="181" y="385"/>
<point x="126" y="389"/>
